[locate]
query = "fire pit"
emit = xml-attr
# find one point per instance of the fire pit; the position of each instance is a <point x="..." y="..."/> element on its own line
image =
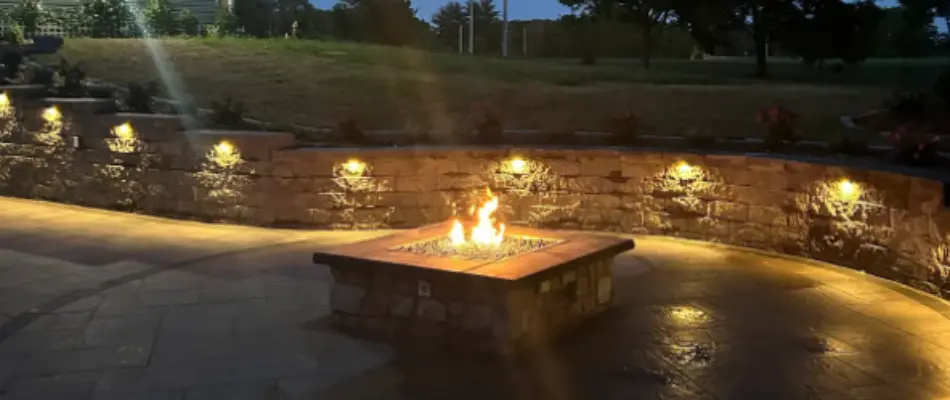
<point x="476" y="286"/>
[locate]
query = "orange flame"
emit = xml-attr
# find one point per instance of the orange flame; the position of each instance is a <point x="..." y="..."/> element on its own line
<point x="484" y="232"/>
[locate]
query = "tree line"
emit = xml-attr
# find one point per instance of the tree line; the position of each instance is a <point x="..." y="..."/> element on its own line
<point x="815" y="30"/>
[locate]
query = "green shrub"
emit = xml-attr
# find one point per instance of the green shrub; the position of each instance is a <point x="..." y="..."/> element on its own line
<point x="140" y="97"/>
<point x="225" y="23"/>
<point x="624" y="128"/>
<point x="351" y="132"/>
<point x="187" y="23"/>
<point x="161" y="18"/>
<point x="104" y="18"/>
<point x="227" y="113"/>
<point x="489" y="126"/>
<point x="28" y="14"/>
<point x="73" y="77"/>
<point x="849" y="145"/>
<point x="13" y="34"/>
<point x="780" y="126"/>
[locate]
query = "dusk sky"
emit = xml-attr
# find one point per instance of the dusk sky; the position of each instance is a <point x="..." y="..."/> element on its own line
<point x="517" y="9"/>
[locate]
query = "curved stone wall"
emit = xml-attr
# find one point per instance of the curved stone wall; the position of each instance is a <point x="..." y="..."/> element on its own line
<point x="890" y="223"/>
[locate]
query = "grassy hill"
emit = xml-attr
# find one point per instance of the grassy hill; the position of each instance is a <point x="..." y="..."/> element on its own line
<point x="320" y="83"/>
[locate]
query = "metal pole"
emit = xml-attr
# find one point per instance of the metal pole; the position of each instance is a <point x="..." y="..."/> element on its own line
<point x="524" y="42"/>
<point x="471" y="26"/>
<point x="461" y="38"/>
<point x="504" y="33"/>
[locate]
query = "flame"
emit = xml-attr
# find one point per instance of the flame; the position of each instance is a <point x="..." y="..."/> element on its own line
<point x="484" y="233"/>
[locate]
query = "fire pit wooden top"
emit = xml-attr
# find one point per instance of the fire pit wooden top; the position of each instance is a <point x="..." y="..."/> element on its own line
<point x="567" y="247"/>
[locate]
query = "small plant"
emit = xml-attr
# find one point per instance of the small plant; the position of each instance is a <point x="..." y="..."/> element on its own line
<point x="11" y="60"/>
<point x="942" y="88"/>
<point x="72" y="76"/>
<point x="624" y="128"/>
<point x="908" y="106"/>
<point x="352" y="132"/>
<point x="780" y="126"/>
<point x="228" y="113"/>
<point x="13" y="34"/>
<point x="849" y="146"/>
<point x="489" y="127"/>
<point x="140" y="97"/>
<point x="43" y="76"/>
<point x="911" y="147"/>
<point x="702" y="140"/>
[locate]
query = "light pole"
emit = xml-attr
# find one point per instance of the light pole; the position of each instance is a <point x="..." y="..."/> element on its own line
<point x="471" y="26"/>
<point x="504" y="31"/>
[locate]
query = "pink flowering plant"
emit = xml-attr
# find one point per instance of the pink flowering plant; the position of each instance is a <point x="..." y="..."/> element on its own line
<point x="780" y="124"/>
<point x="913" y="145"/>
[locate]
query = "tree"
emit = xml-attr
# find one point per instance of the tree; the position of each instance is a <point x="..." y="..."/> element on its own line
<point x="834" y="29"/>
<point x="187" y="22"/>
<point x="105" y="18"/>
<point x="765" y="21"/>
<point x="160" y="18"/>
<point x="389" y="22"/>
<point x="650" y="16"/>
<point x="28" y="14"/>
<point x="447" y="21"/>
<point x="918" y="34"/>
<point x="225" y="22"/>
<point x="487" y="26"/>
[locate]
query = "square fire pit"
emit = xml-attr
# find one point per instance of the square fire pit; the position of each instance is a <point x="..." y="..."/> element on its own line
<point x="416" y="285"/>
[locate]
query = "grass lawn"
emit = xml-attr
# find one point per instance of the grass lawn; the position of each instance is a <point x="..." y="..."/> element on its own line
<point x="320" y="83"/>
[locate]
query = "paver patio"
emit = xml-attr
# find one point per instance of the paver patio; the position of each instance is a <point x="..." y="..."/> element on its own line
<point x="102" y="305"/>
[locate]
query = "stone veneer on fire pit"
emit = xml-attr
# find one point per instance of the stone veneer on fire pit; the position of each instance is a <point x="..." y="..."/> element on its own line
<point x="386" y="292"/>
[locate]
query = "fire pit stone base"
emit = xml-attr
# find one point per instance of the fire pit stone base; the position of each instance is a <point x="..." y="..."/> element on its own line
<point x="495" y="306"/>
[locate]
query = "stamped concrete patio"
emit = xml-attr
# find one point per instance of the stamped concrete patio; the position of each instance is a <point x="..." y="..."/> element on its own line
<point x="101" y="305"/>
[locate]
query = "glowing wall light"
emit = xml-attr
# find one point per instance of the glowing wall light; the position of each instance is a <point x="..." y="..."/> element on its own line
<point x="847" y="190"/>
<point x="225" y="155"/>
<point x="124" y="140"/>
<point x="52" y="115"/>
<point x="354" y="167"/>
<point x="517" y="165"/>
<point x="5" y="104"/>
<point x="123" y="131"/>
<point x="683" y="171"/>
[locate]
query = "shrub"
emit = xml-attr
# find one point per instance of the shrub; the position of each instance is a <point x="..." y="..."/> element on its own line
<point x="702" y="140"/>
<point x="225" y="23"/>
<point x="227" y="113"/>
<point x="908" y="107"/>
<point x="105" y="18"/>
<point x="161" y="18"/>
<point x="187" y="23"/>
<point x="43" y="76"/>
<point x="849" y="145"/>
<point x="942" y="87"/>
<point x="73" y="76"/>
<point x="624" y="128"/>
<point x="140" y="97"/>
<point x="489" y="126"/>
<point x="352" y="132"/>
<point x="11" y="60"/>
<point x="780" y="126"/>
<point x="911" y="147"/>
<point x="28" y="14"/>
<point x="13" y="34"/>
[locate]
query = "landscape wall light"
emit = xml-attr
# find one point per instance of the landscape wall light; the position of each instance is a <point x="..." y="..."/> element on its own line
<point x="225" y="155"/>
<point x="848" y="190"/>
<point x="124" y="131"/>
<point x="354" y="167"/>
<point x="4" y="102"/>
<point x="52" y="114"/>
<point x="517" y="165"/>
